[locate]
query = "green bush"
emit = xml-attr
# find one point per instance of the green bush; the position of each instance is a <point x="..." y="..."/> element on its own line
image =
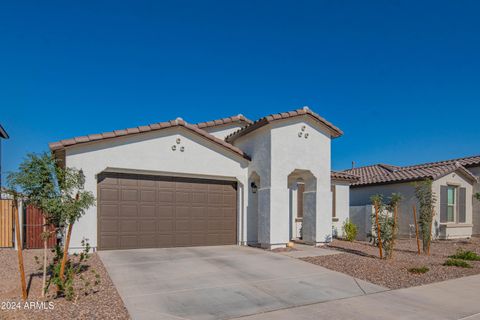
<point x="418" y="270"/>
<point x="465" y="255"/>
<point x="349" y="230"/>
<point x="457" y="263"/>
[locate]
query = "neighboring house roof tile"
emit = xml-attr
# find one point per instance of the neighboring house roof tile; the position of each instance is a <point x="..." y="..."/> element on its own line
<point x="54" y="146"/>
<point x="382" y="173"/>
<point x="3" y="133"/>
<point x="240" y="118"/>
<point x="343" y="176"/>
<point x="336" y="132"/>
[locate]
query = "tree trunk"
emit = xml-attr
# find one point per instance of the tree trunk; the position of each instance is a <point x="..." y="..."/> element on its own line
<point x="45" y="250"/>
<point x="416" y="228"/>
<point x="430" y="233"/>
<point x="19" y="250"/>
<point x="378" y="232"/>
<point x="65" y="252"/>
<point x="394" y="231"/>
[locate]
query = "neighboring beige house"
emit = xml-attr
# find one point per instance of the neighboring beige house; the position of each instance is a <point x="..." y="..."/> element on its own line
<point x="228" y="181"/>
<point x="454" y="183"/>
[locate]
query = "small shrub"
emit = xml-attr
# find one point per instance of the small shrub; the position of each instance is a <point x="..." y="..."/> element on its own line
<point x="75" y="268"/>
<point x="457" y="263"/>
<point x="419" y="270"/>
<point x="349" y="230"/>
<point x="465" y="255"/>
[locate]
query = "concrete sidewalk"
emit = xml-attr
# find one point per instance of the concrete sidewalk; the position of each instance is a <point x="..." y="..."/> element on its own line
<point x="453" y="299"/>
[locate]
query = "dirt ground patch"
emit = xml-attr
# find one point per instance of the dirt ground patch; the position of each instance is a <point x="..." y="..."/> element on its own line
<point x="104" y="303"/>
<point x="360" y="260"/>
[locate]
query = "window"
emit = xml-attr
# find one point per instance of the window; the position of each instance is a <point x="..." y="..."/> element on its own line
<point x="451" y="203"/>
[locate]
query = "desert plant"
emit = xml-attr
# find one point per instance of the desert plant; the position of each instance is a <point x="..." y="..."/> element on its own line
<point x="35" y="180"/>
<point x="57" y="190"/>
<point x="419" y="270"/>
<point x="465" y="255"/>
<point x="75" y="267"/>
<point x="385" y="220"/>
<point x="392" y="206"/>
<point x="377" y="201"/>
<point x="349" y="230"/>
<point x="457" y="263"/>
<point x="426" y="200"/>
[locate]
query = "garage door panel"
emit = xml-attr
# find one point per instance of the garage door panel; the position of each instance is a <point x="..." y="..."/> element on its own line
<point x="215" y="212"/>
<point x="148" y="211"/>
<point x="165" y="240"/>
<point x="128" y="210"/>
<point x="198" y="213"/>
<point x="182" y="225"/>
<point x="147" y="182"/>
<point x="109" y="210"/>
<point x="199" y="239"/>
<point x="166" y="196"/>
<point x="128" y="242"/>
<point x="215" y="199"/>
<point x="148" y="195"/>
<point x="199" y="225"/>
<point x="199" y="198"/>
<point x="109" y="194"/>
<point x="183" y="197"/>
<point x="109" y="225"/>
<point x="147" y="241"/>
<point x="182" y="239"/>
<point x="129" y="180"/>
<point x="229" y="200"/>
<point x="147" y="226"/>
<point x="165" y="226"/>
<point x="109" y="242"/>
<point x="165" y="183"/>
<point x="129" y="195"/>
<point x="166" y="212"/>
<point x="128" y="226"/>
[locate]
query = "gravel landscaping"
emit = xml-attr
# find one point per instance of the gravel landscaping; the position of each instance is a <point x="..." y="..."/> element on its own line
<point x="103" y="303"/>
<point x="360" y="260"/>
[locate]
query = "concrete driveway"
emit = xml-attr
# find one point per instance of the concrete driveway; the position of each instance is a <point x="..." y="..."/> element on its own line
<point x="221" y="282"/>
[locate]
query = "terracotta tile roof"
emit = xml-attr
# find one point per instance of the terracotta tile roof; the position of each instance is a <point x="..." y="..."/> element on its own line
<point x="54" y="146"/>
<point x="382" y="173"/>
<point x="240" y="118"/>
<point x="343" y="176"/>
<point x="336" y="132"/>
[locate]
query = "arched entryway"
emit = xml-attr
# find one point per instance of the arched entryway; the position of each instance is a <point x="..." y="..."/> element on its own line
<point x="302" y="186"/>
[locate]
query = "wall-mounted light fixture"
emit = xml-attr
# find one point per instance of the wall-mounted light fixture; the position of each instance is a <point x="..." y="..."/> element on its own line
<point x="182" y="148"/>
<point x="178" y="140"/>
<point x="254" y="187"/>
<point x="174" y="147"/>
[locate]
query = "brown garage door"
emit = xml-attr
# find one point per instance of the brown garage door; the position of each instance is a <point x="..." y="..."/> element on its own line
<point x="138" y="211"/>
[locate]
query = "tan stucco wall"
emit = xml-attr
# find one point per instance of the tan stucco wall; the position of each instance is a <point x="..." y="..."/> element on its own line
<point x="360" y="196"/>
<point x="453" y="230"/>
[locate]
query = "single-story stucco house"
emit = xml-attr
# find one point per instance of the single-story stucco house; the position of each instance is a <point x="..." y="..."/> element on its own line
<point x="455" y="183"/>
<point x="228" y="181"/>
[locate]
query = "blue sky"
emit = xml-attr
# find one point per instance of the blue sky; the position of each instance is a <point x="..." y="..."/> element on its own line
<point x="401" y="78"/>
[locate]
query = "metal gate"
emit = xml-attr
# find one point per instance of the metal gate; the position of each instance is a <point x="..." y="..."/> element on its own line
<point x="34" y="229"/>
